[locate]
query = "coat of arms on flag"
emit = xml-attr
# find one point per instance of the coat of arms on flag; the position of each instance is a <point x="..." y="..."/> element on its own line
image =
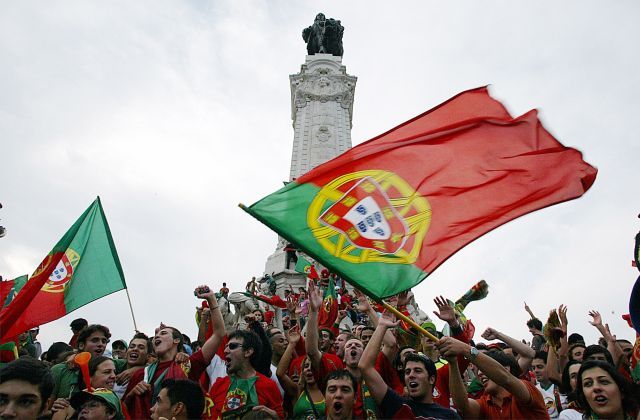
<point x="373" y="214"/>
<point x="366" y="216"/>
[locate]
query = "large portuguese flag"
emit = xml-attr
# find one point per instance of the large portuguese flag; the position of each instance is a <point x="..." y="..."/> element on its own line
<point x="82" y="267"/>
<point x="389" y="211"/>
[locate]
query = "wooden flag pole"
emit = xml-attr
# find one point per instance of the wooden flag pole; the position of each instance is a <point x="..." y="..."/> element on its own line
<point x="135" y="327"/>
<point x="409" y="321"/>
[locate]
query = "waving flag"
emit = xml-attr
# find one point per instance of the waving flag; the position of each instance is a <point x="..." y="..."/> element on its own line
<point x="386" y="213"/>
<point x="82" y="267"/>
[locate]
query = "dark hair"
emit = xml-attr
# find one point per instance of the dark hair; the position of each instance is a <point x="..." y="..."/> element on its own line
<point x="143" y="336"/>
<point x="397" y="361"/>
<point x="30" y="370"/>
<point x="597" y="349"/>
<point x="56" y="349"/>
<point x="429" y="366"/>
<point x="575" y="346"/>
<point x="94" y="362"/>
<point x="342" y="374"/>
<point x="367" y="328"/>
<point x="78" y="323"/>
<point x="84" y="334"/>
<point x="332" y="336"/>
<point x="565" y="387"/>
<point x="542" y="355"/>
<point x="93" y="367"/>
<point x="187" y="392"/>
<point x="535" y="323"/>
<point x="176" y="334"/>
<point x="506" y="360"/>
<point x="250" y="340"/>
<point x="628" y="391"/>
<point x="575" y="338"/>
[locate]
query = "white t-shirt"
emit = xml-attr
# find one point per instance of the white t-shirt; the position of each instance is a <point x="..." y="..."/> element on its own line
<point x="550" y="400"/>
<point x="274" y="378"/>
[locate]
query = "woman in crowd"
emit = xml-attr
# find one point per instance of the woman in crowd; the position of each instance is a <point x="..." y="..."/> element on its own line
<point x="569" y="384"/>
<point x="604" y="393"/>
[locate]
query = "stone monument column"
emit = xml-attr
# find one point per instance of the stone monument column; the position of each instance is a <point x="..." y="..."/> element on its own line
<point x="322" y="110"/>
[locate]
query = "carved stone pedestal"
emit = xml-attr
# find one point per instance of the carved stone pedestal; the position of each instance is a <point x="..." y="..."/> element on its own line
<point x="321" y="109"/>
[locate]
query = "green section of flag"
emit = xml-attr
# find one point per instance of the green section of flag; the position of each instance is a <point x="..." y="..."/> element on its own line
<point x="303" y="266"/>
<point x="636" y="251"/>
<point x="18" y="284"/>
<point x="285" y="212"/>
<point x="98" y="271"/>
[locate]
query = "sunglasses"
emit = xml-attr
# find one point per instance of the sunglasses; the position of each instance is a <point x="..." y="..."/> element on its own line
<point x="233" y="346"/>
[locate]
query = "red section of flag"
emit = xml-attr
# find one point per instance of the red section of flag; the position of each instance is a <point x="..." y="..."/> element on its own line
<point x="476" y="165"/>
<point x="313" y="273"/>
<point x="27" y="296"/>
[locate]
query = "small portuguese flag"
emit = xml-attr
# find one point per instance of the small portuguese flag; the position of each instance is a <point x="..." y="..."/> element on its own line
<point x="305" y="267"/>
<point x="329" y="310"/>
<point x="82" y="267"/>
<point x="387" y="212"/>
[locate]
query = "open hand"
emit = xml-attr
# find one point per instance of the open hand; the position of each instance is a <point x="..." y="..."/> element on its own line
<point x="597" y="319"/>
<point x="562" y="314"/>
<point x="445" y="311"/>
<point x="315" y="297"/>
<point x="388" y="320"/>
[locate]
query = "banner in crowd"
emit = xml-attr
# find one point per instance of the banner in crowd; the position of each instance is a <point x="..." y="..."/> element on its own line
<point x="386" y="213"/>
<point x="10" y="288"/>
<point x="82" y="267"/>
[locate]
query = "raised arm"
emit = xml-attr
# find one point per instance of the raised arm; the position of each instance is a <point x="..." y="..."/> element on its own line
<point x="210" y="347"/>
<point x="526" y="353"/>
<point x="612" y="345"/>
<point x="311" y="343"/>
<point x="377" y="386"/>
<point x="467" y="407"/>
<point x="493" y="370"/>
<point x="526" y="308"/>
<point x="290" y="387"/>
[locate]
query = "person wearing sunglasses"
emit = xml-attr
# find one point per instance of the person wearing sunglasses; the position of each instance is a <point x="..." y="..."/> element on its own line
<point x="244" y="389"/>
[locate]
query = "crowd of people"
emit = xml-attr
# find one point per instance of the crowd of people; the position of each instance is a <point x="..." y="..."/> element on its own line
<point x="300" y="359"/>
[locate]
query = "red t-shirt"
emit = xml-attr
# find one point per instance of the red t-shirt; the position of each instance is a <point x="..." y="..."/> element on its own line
<point x="267" y="391"/>
<point x="139" y="406"/>
<point x="511" y="409"/>
<point x="388" y="373"/>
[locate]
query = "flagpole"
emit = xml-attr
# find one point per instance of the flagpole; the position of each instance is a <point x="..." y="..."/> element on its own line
<point x="135" y="326"/>
<point x="409" y="321"/>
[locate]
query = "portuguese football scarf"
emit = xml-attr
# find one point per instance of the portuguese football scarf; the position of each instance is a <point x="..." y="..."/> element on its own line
<point x="82" y="267"/>
<point x="241" y="397"/>
<point x="387" y="212"/>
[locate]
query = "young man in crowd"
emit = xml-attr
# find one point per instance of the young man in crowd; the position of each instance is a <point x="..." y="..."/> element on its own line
<point x="549" y="391"/>
<point x="505" y="395"/>
<point x="144" y="385"/>
<point x="119" y="349"/>
<point x="136" y="358"/>
<point x="340" y="394"/>
<point x="25" y="387"/>
<point x="178" y="399"/>
<point x="245" y="389"/>
<point x="420" y="378"/>
<point x="278" y="346"/>
<point x="77" y="325"/>
<point x="92" y="339"/>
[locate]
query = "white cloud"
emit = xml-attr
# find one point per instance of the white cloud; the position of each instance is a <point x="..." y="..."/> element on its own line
<point x="175" y="112"/>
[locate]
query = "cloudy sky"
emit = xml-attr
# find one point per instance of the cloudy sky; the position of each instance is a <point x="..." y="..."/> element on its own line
<point x="174" y="112"/>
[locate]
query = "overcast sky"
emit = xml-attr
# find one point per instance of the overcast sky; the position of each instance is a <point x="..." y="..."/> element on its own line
<point x="174" y="112"/>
